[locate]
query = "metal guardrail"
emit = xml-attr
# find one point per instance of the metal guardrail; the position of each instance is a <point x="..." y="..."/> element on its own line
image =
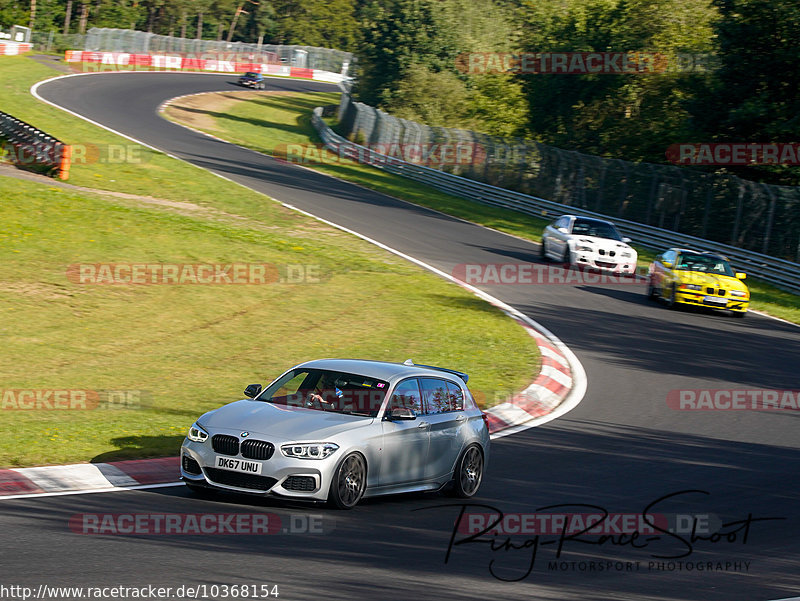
<point x="783" y="274"/>
<point x="712" y="205"/>
<point x="33" y="147"/>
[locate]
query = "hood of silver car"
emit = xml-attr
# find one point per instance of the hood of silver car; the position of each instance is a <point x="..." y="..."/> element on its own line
<point x="281" y="423"/>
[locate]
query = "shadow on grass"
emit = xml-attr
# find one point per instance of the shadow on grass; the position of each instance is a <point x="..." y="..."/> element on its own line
<point x="141" y="447"/>
<point x="250" y="121"/>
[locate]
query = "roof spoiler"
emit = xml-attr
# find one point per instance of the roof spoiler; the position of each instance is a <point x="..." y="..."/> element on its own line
<point x="460" y="374"/>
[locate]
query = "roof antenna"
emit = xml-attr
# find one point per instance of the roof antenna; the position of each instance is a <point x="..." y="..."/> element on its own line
<point x="408" y="362"/>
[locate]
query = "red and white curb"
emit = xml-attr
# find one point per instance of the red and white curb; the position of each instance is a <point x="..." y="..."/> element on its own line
<point x="88" y="477"/>
<point x="542" y="396"/>
<point x="12" y="48"/>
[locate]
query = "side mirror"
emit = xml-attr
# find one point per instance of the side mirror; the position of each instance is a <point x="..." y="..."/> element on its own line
<point x="667" y="264"/>
<point x="563" y="230"/>
<point x="402" y="413"/>
<point x="252" y="391"/>
<point x="627" y="240"/>
<point x="740" y="275"/>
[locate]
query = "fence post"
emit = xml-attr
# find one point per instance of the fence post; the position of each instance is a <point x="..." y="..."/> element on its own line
<point x="737" y="222"/>
<point x="770" y="217"/>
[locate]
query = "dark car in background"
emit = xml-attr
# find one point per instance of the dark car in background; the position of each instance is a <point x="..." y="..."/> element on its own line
<point x="251" y="79"/>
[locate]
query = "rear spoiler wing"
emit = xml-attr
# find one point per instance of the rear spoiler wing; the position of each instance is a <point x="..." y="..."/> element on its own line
<point x="460" y="374"/>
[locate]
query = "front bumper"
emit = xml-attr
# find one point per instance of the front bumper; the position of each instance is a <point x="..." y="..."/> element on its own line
<point x="280" y="475"/>
<point x="700" y="299"/>
<point x="620" y="266"/>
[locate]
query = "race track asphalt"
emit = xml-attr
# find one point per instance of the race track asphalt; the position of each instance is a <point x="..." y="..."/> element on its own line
<point x="621" y="449"/>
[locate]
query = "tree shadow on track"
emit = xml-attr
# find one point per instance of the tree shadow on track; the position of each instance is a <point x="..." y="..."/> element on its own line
<point x="751" y="352"/>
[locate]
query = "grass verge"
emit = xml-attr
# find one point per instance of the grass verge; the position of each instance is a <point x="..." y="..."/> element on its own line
<point x="175" y="351"/>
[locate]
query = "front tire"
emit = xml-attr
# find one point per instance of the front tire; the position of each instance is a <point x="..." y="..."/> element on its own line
<point x="672" y="302"/>
<point x="542" y="251"/>
<point x="468" y="473"/>
<point x="651" y="290"/>
<point x="566" y="258"/>
<point x="349" y="482"/>
<point x="739" y="314"/>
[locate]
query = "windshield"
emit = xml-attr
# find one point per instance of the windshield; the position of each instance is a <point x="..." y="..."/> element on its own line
<point x="705" y="263"/>
<point x="325" y="390"/>
<point x="251" y="74"/>
<point x="599" y="229"/>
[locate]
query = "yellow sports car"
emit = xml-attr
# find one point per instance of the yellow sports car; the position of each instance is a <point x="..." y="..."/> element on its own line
<point x="690" y="277"/>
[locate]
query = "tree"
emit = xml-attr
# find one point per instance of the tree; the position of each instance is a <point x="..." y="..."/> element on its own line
<point x="398" y="35"/>
<point x="330" y="24"/>
<point x="754" y="95"/>
<point x="12" y="13"/>
<point x="632" y="116"/>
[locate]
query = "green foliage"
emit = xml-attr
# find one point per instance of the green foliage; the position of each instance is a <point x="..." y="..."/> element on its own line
<point x="755" y="94"/>
<point x="498" y="105"/>
<point x="330" y="24"/>
<point x="432" y="97"/>
<point x="12" y="13"/>
<point x="397" y="37"/>
<point x="413" y="54"/>
<point x="629" y="116"/>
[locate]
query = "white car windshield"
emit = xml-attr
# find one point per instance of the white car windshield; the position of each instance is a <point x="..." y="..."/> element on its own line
<point x="598" y="229"/>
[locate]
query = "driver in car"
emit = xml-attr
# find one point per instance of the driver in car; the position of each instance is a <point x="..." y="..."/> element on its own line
<point x="325" y="387"/>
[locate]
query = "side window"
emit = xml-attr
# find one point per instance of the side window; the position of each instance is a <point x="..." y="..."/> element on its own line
<point x="455" y="397"/>
<point x="562" y="222"/>
<point x="435" y="394"/>
<point x="669" y="256"/>
<point x="406" y="394"/>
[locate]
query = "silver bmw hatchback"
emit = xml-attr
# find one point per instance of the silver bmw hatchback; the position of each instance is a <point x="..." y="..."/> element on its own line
<point x="339" y="430"/>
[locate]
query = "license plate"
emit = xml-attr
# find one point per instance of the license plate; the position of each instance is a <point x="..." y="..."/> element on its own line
<point x="238" y="465"/>
<point x="715" y="300"/>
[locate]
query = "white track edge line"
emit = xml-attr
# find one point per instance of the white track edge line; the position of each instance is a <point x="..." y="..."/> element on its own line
<point x="88" y="492"/>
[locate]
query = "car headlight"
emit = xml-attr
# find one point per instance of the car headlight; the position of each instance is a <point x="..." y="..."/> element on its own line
<point x="626" y="255"/>
<point x="317" y="450"/>
<point x="583" y="248"/>
<point x="738" y="293"/>
<point x="690" y="287"/>
<point x="197" y="434"/>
